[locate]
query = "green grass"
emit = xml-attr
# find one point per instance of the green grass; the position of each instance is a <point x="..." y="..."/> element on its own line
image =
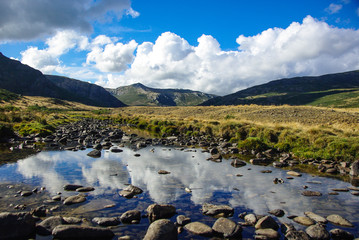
<point x="6" y="96"/>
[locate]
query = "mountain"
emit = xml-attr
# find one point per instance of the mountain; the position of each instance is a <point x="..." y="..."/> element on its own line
<point x="139" y="95"/>
<point x="22" y="79"/>
<point x="331" y="90"/>
<point x="91" y="94"/>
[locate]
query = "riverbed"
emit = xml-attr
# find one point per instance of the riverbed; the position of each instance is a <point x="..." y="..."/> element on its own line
<point x="191" y="182"/>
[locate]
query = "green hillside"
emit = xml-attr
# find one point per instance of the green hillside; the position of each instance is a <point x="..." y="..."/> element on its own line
<point x="331" y="90"/>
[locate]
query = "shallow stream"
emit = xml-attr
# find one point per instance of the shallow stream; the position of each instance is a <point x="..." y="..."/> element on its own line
<point x="210" y="182"/>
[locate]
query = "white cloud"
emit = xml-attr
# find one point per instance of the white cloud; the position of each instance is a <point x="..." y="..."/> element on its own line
<point x="113" y="57"/>
<point x="309" y="48"/>
<point x="334" y="8"/>
<point x="24" y="20"/>
<point x="47" y="60"/>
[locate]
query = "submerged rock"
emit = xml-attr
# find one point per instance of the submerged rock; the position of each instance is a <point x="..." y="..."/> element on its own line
<point x="339" y="234"/>
<point x="311" y="193"/>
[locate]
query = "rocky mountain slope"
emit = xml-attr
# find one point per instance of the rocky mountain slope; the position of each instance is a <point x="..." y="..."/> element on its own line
<point x="22" y="79"/>
<point x="139" y="95"/>
<point x="331" y="90"/>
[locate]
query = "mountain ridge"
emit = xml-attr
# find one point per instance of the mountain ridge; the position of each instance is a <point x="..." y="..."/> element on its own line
<point x="25" y="80"/>
<point x="138" y="94"/>
<point x="308" y="90"/>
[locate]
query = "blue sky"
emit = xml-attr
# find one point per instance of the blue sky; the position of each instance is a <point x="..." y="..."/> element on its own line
<point x="216" y="46"/>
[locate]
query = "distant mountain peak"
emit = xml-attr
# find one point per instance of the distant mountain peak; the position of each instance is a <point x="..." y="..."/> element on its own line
<point x="138" y="94"/>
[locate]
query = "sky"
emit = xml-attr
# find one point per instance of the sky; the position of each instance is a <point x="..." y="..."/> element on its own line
<point x="214" y="46"/>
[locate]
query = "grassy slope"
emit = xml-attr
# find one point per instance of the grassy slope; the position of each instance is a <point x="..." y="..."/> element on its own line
<point x="304" y="130"/>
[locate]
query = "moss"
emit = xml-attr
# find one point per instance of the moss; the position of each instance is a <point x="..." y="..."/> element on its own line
<point x="253" y="143"/>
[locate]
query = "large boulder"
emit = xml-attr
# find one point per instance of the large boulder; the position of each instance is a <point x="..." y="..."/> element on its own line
<point x="159" y="211"/>
<point x="161" y="229"/>
<point x="213" y="210"/>
<point x="17" y="225"/>
<point x="227" y="228"/>
<point x="81" y="232"/>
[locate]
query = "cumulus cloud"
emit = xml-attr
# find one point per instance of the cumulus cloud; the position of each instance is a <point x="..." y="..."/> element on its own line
<point x="308" y="48"/>
<point x="47" y="60"/>
<point x="112" y="57"/>
<point x="334" y="8"/>
<point x="24" y="20"/>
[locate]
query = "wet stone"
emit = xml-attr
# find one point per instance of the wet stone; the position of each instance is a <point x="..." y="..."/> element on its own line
<point x="227" y="228"/>
<point x="199" y="228"/>
<point x="339" y="220"/>
<point x="26" y="193"/>
<point x="306" y="221"/>
<point x="130" y="216"/>
<point x="311" y="193"/>
<point x="266" y="222"/>
<point x="316" y="217"/>
<point x="340" y="234"/>
<point x="277" y="212"/>
<point x="85" y="189"/>
<point x="106" y="221"/>
<point x="182" y="220"/>
<point x="161" y="229"/>
<point x="268" y="232"/>
<point x="318" y="232"/>
<point x="63" y="232"/>
<point x="74" y="199"/>
<point x="213" y="210"/>
<point x="71" y="187"/>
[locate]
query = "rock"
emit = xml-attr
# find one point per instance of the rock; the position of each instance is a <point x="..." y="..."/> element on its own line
<point x="106" y="221"/>
<point x="182" y="220"/>
<point x="71" y="187"/>
<point x="116" y="150"/>
<point x="213" y="210"/>
<point x="306" y="221"/>
<point x="315" y="217"/>
<point x="199" y="228"/>
<point x="277" y="212"/>
<point x="297" y="235"/>
<point x="39" y="211"/>
<point x="238" y="163"/>
<point x="159" y="211"/>
<point x="72" y="220"/>
<point x="250" y="218"/>
<point x="163" y="172"/>
<point x="26" y="193"/>
<point x="20" y="225"/>
<point x="308" y="193"/>
<point x="318" y="232"/>
<point x="354" y="169"/>
<point x="56" y="198"/>
<point x="74" y="199"/>
<point x="130" y="191"/>
<point x="294" y="174"/>
<point x="130" y="216"/>
<point x="268" y="232"/>
<point x="45" y="227"/>
<point x="340" y="189"/>
<point x="286" y="227"/>
<point x="161" y="229"/>
<point x="94" y="153"/>
<point x="266" y="222"/>
<point x="85" y="189"/>
<point x="259" y="161"/>
<point x="339" y="220"/>
<point x="227" y="228"/>
<point x="81" y="232"/>
<point x="339" y="234"/>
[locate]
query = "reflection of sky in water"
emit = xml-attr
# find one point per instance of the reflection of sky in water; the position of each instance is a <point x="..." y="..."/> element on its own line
<point x="112" y="171"/>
